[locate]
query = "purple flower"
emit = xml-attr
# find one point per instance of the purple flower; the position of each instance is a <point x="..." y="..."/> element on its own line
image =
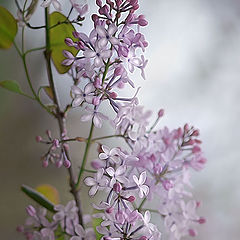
<point x="98" y="54"/>
<point x="97" y="117"/>
<point x="107" y="35"/>
<point x="97" y="182"/>
<point x="80" y="96"/>
<point x="143" y="189"/>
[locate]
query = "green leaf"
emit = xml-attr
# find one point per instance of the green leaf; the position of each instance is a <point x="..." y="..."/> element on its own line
<point x="48" y="91"/>
<point x="13" y="87"/>
<point x="57" y="36"/>
<point x="97" y="222"/>
<point x="8" y="28"/>
<point x="38" y="197"/>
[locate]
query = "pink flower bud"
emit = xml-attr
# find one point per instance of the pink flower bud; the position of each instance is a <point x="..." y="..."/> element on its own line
<point x="186" y="128"/>
<point x="117" y="187"/>
<point x="95" y="18"/>
<point x="31" y="211"/>
<point x="38" y="139"/>
<point x="45" y="163"/>
<point x="109" y="210"/>
<point x="99" y="3"/>
<point x="201" y="220"/>
<point x="131" y="199"/>
<point x="118" y="71"/>
<point x="66" y="163"/>
<point x="20" y="228"/>
<point x="143" y="238"/>
<point x="198" y="204"/>
<point x="113" y="95"/>
<point x="195" y="133"/>
<point x="81" y="45"/>
<point x="142" y="21"/>
<point x="69" y="42"/>
<point x="160" y="113"/>
<point x="104" y="10"/>
<point x="196" y="149"/>
<point x="59" y="163"/>
<point x="96" y="101"/>
<point x="192" y="232"/>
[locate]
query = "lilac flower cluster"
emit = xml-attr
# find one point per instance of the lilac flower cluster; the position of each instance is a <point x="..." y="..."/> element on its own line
<point x="106" y="57"/>
<point x="39" y="226"/>
<point x="56" y="153"/>
<point x="150" y="176"/>
<point x="156" y="167"/>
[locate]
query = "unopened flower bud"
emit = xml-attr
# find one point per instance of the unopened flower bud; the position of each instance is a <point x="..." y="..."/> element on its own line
<point x="195" y="133"/>
<point x="45" y="163"/>
<point x="69" y="42"/>
<point x="131" y="199"/>
<point x="31" y="211"/>
<point x="109" y="210"/>
<point x="113" y="95"/>
<point x="20" y="229"/>
<point x="201" y="220"/>
<point x="96" y="101"/>
<point x="99" y="3"/>
<point x="38" y="139"/>
<point x="160" y="113"/>
<point x="66" y="163"/>
<point x="143" y="238"/>
<point x="59" y="163"/>
<point x="117" y="187"/>
<point x="192" y="232"/>
<point x="196" y="149"/>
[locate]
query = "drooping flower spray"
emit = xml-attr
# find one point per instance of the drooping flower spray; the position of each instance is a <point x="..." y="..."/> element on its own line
<point x="149" y="173"/>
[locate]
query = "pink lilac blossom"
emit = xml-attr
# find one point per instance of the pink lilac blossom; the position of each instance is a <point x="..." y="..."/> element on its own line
<point x="156" y="164"/>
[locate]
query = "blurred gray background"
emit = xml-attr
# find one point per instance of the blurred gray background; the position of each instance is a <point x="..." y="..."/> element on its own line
<point x="193" y="73"/>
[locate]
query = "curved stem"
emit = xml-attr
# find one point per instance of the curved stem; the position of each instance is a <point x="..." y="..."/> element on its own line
<point x="106" y="137"/>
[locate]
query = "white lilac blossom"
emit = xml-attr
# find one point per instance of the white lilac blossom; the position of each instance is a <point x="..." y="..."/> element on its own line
<point x="152" y="164"/>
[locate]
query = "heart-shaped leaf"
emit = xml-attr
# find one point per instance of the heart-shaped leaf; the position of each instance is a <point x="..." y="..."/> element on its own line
<point x="50" y="192"/>
<point x="8" y="28"/>
<point x="13" y="87"/>
<point x="58" y="34"/>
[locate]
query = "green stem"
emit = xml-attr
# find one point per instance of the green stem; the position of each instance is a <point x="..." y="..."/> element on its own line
<point x="33" y="49"/>
<point x="84" y="161"/>
<point x="141" y="204"/>
<point x="106" y="137"/>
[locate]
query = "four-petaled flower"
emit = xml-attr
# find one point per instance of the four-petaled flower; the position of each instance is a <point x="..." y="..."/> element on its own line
<point x="143" y="189"/>
<point x="97" y="182"/>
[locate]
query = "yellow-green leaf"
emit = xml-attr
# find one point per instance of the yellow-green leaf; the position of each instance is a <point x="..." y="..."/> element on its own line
<point x="49" y="192"/>
<point x="48" y="91"/>
<point x="57" y="36"/>
<point x="8" y="28"/>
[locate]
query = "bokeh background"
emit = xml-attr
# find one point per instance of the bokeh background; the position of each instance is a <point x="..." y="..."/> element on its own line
<point x="193" y="73"/>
